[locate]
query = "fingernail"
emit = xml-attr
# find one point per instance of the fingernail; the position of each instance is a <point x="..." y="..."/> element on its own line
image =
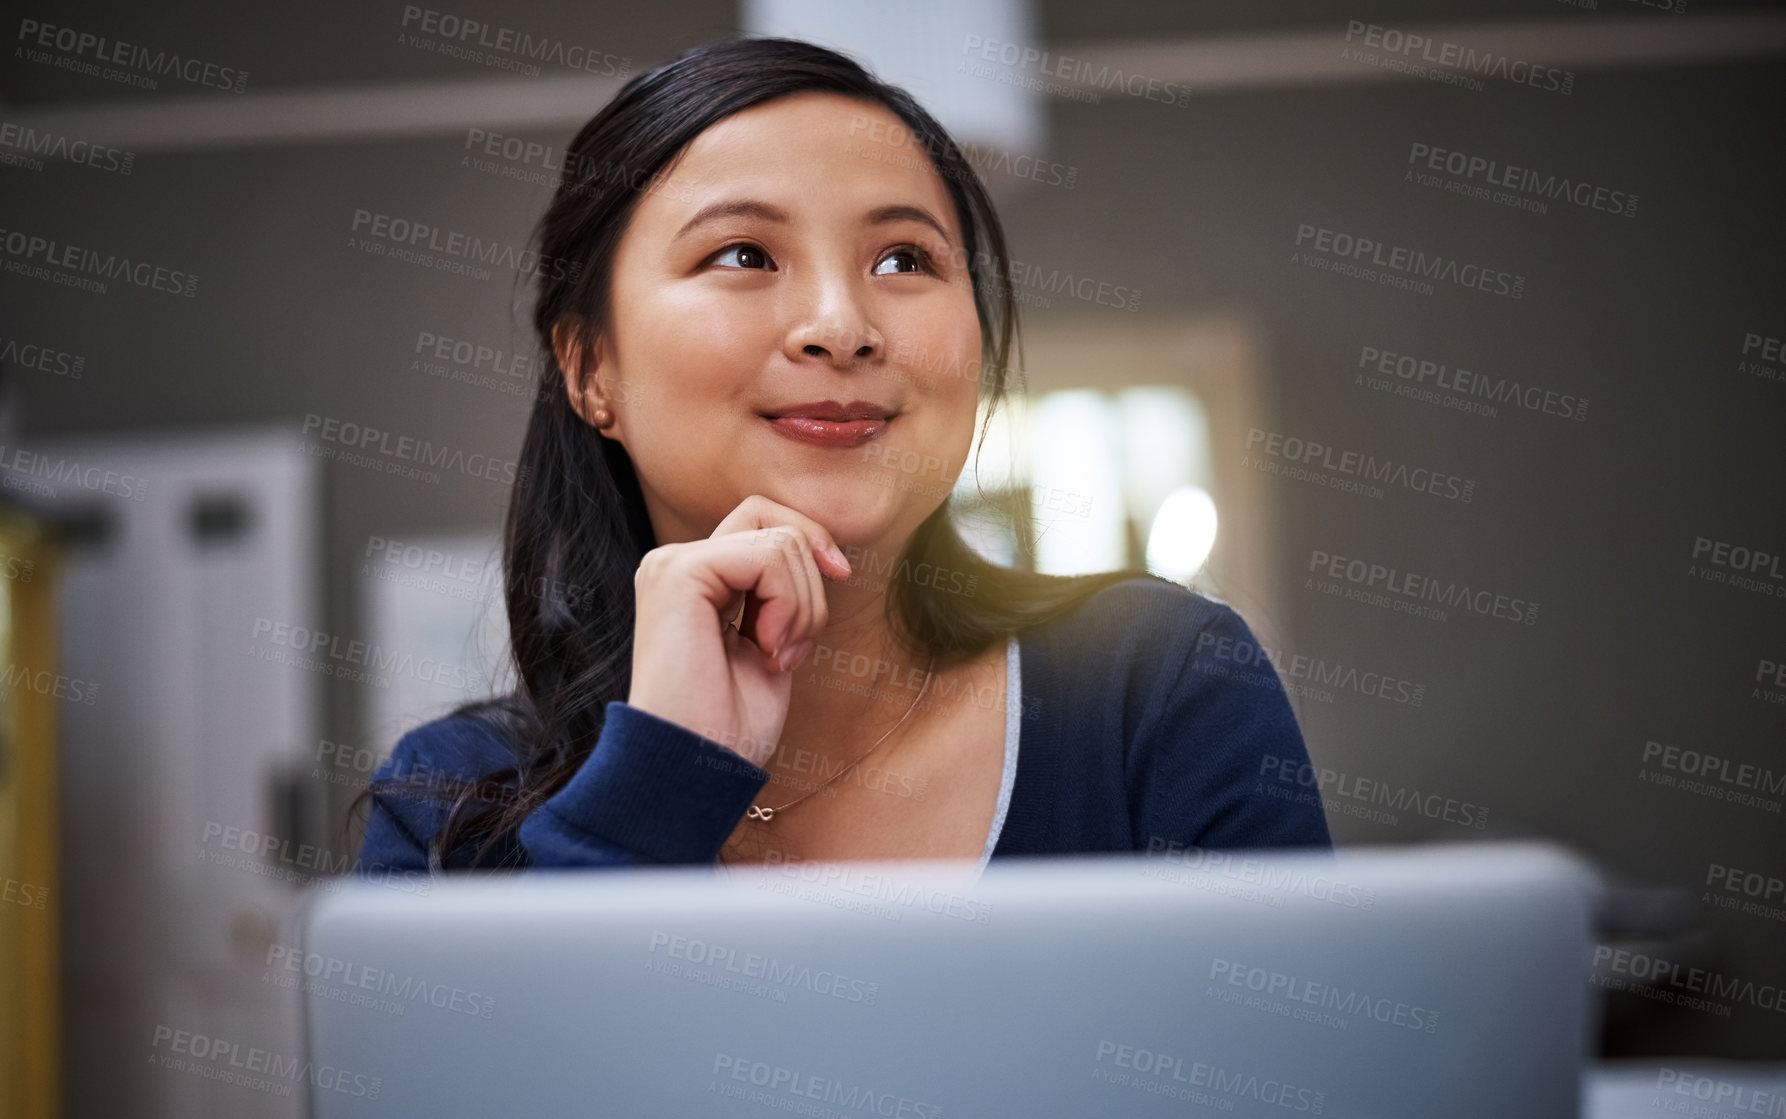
<point x="838" y="556"/>
<point x="792" y="655"/>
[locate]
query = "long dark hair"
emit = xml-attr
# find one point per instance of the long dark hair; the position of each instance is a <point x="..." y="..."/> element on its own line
<point x="577" y="527"/>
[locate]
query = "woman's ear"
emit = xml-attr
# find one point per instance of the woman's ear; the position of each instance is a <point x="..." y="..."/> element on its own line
<point x="578" y="365"/>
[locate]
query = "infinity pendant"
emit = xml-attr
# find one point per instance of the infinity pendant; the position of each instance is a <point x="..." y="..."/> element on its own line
<point x="757" y="812"/>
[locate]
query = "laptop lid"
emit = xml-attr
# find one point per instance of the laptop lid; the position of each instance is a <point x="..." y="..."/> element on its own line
<point x="1374" y="983"/>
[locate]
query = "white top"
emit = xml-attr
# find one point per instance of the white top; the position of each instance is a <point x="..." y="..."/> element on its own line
<point x="1013" y="725"/>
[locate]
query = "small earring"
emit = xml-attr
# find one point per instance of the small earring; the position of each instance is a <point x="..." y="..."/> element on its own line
<point x="601" y="418"/>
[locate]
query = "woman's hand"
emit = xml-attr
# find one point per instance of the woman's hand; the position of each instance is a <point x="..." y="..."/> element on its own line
<point x="690" y="666"/>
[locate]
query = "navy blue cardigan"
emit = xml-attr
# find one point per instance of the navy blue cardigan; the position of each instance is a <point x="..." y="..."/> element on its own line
<point x="1149" y="718"/>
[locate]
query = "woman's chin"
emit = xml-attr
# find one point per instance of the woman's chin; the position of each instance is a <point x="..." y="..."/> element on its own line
<point x="852" y="510"/>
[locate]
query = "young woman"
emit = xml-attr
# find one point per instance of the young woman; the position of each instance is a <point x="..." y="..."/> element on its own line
<point x="744" y="624"/>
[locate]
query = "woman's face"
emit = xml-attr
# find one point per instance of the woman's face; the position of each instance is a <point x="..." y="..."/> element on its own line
<point x="832" y="284"/>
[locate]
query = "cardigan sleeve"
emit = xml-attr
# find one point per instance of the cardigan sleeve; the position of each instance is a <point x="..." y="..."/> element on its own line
<point x="650" y="792"/>
<point x="1225" y="730"/>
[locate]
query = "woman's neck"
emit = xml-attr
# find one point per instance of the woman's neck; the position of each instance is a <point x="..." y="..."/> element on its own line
<point x="855" y="685"/>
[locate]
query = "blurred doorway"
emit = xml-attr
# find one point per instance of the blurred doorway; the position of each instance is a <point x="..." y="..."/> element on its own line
<point x="189" y="600"/>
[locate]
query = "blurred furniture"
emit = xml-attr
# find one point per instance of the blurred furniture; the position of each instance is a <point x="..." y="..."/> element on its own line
<point x="30" y="688"/>
<point x="190" y="594"/>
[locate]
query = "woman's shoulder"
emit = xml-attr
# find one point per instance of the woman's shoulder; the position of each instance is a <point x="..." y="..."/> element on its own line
<point x="1148" y="619"/>
<point x="457" y="746"/>
<point x="1153" y="650"/>
<point x="426" y="771"/>
<point x="1203" y="720"/>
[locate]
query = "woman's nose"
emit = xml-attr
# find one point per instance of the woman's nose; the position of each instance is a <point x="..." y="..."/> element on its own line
<point x="816" y="350"/>
<point x="837" y="326"/>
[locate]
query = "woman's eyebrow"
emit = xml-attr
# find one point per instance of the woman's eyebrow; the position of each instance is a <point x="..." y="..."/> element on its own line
<point x="754" y="208"/>
<point x="732" y="208"/>
<point x="886" y="215"/>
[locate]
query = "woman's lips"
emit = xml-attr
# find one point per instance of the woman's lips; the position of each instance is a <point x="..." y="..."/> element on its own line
<point x="828" y="433"/>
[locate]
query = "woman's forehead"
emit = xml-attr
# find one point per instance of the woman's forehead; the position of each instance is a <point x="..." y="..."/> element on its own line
<point x="802" y="152"/>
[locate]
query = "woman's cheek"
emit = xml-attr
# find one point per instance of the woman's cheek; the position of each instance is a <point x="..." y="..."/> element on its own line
<point x="700" y="349"/>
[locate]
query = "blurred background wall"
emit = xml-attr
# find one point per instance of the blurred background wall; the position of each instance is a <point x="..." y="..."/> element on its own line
<point x="1618" y="690"/>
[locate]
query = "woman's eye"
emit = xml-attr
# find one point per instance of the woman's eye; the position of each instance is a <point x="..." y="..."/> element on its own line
<point x="749" y="256"/>
<point x="919" y="258"/>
